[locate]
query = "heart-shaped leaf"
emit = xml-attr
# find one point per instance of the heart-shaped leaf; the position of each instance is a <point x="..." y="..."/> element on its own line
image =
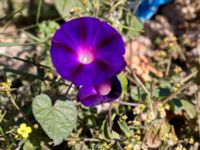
<point x="57" y="121"/>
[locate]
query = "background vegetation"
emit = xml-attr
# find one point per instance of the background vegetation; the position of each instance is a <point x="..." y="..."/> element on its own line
<point x="160" y="103"/>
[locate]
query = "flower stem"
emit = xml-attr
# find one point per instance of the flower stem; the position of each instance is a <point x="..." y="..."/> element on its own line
<point x="69" y="87"/>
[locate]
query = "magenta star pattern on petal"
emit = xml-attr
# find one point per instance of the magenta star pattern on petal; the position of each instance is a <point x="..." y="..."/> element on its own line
<point x="87" y="51"/>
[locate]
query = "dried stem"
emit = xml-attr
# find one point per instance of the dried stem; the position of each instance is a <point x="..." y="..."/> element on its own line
<point x="190" y="76"/>
<point x="166" y="100"/>
<point x="168" y="67"/>
<point x="126" y="103"/>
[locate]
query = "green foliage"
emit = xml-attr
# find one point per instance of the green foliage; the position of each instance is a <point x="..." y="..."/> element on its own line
<point x="133" y="25"/>
<point x="57" y="121"/>
<point x="160" y="114"/>
<point x="67" y="7"/>
<point x="125" y="129"/>
<point x="180" y="105"/>
<point x="124" y="83"/>
<point x="28" y="146"/>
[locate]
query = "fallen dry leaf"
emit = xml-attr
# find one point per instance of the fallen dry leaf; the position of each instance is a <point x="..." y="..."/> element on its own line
<point x="137" y="60"/>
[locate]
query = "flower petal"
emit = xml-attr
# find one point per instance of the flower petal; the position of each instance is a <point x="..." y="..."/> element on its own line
<point x="81" y="50"/>
<point x="89" y="96"/>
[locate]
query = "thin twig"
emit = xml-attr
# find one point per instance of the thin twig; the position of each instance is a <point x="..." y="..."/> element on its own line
<point x="141" y="84"/>
<point x="83" y="139"/>
<point x="127" y="103"/>
<point x="183" y="86"/>
<point x="190" y="76"/>
<point x="25" y="60"/>
<point x="6" y="69"/>
<point x="136" y="3"/>
<point x="69" y="87"/>
<point x="168" y="67"/>
<point x="13" y="102"/>
<point x="119" y="146"/>
<point x="166" y="100"/>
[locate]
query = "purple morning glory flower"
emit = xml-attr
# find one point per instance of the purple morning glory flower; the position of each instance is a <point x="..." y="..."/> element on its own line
<point x="107" y="91"/>
<point x="87" y="51"/>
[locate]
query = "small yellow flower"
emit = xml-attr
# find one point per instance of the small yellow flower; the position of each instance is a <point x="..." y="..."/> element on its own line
<point x="180" y="147"/>
<point x="84" y="2"/>
<point x="161" y="54"/>
<point x="24" y="130"/>
<point x="139" y="109"/>
<point x="176" y="87"/>
<point x="49" y="75"/>
<point x="35" y="126"/>
<point x="138" y="132"/>
<point x="124" y="117"/>
<point x="191" y="140"/>
<point x="137" y="137"/>
<point x="72" y="142"/>
<point x="75" y="10"/>
<point x="162" y="113"/>
<point x="151" y="116"/>
<point x="159" y="105"/>
<point x="5" y="87"/>
<point x="177" y="70"/>
<point x="167" y="107"/>
<point x="128" y="147"/>
<point x="136" y="123"/>
<point x="161" y="110"/>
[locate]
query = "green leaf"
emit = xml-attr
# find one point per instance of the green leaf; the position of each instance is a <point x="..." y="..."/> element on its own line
<point x="133" y="25"/>
<point x="81" y="146"/>
<point x="189" y="108"/>
<point x="124" y="83"/>
<point x="28" y="146"/>
<point x="135" y="93"/>
<point x="106" y="130"/>
<point x="161" y="92"/>
<point x="57" y="121"/>
<point x="65" y="7"/>
<point x="124" y="127"/>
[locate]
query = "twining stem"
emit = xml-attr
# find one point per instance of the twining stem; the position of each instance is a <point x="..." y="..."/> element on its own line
<point x="13" y="102"/>
<point x="6" y="69"/>
<point x="110" y="116"/>
<point x="138" y="81"/>
<point x="11" y="98"/>
<point x="26" y="61"/>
